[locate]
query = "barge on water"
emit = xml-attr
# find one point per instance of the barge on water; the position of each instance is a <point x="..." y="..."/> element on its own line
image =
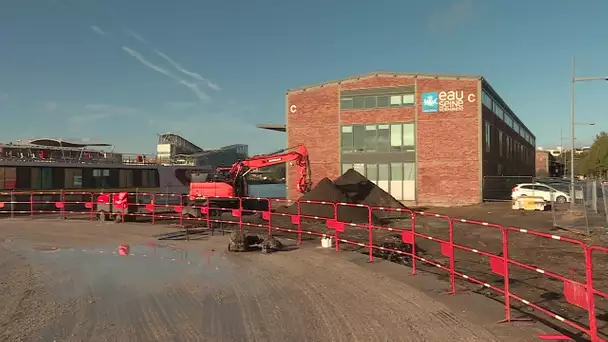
<point x="36" y="174"/>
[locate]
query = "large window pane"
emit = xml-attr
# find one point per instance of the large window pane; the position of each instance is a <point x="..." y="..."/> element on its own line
<point x="371" y="140"/>
<point x="383" y="172"/>
<point x="408" y="135"/>
<point x="359" y="102"/>
<point x="408" y="99"/>
<point x="371" y="172"/>
<point x="396" y="137"/>
<point x="370" y="102"/>
<point x="358" y="138"/>
<point x="396" y="100"/>
<point x="346" y="103"/>
<point x="397" y="171"/>
<point x="347" y="139"/>
<point x="409" y="171"/>
<point x="384" y="138"/>
<point x="359" y="168"/>
<point x="383" y="101"/>
<point x="346" y="167"/>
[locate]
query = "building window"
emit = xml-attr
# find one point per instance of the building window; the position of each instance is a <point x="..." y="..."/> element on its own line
<point x="409" y="139"/>
<point x="396" y="137"/>
<point x="358" y="138"/>
<point x="500" y="113"/>
<point x="371" y="140"/>
<point x="347" y="139"/>
<point x="384" y="137"/>
<point x="487" y="100"/>
<point x="378" y="138"/>
<point x="346" y="167"/>
<point x="377" y="101"/>
<point x="500" y="143"/>
<point x="488" y="136"/>
<point x="73" y="178"/>
<point x="508" y="120"/>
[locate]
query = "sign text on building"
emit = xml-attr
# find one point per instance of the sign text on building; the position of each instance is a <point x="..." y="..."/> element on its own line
<point x="445" y="101"/>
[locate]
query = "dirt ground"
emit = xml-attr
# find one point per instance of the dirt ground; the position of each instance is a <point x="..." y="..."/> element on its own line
<point x="63" y="281"/>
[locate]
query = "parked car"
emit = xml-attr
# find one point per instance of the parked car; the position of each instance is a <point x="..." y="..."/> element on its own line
<point x="540" y="190"/>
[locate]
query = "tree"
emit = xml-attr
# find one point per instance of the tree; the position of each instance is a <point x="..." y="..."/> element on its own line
<point x="595" y="163"/>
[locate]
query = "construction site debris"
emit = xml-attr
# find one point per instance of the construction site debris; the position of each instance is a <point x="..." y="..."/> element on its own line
<point x="241" y="242"/>
<point x="363" y="191"/>
<point x="395" y="243"/>
<point x="271" y="244"/>
<point x="327" y="191"/>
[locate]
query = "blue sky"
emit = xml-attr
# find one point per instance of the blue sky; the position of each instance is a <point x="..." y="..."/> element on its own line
<point x="121" y="71"/>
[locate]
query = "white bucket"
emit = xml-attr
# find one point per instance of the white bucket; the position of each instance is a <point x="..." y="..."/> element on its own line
<point x="327" y="242"/>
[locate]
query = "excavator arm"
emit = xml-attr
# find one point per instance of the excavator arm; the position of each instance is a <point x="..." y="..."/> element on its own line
<point x="298" y="155"/>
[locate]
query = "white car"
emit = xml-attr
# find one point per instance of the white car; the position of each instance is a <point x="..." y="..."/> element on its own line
<point x="539" y="190"/>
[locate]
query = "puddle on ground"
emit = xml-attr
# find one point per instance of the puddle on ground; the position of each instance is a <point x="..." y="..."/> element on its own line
<point x="103" y="270"/>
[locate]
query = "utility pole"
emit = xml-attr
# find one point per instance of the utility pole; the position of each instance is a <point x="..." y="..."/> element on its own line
<point x="572" y="192"/>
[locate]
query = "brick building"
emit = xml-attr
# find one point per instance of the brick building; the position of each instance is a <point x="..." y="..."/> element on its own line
<point x="546" y="165"/>
<point x="426" y="139"/>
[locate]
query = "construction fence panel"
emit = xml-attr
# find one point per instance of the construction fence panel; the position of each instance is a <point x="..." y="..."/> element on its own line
<point x="540" y="283"/>
<point x="571" y="215"/>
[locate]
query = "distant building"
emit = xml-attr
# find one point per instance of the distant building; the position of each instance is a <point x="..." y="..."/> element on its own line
<point x="546" y="165"/>
<point x="174" y="148"/>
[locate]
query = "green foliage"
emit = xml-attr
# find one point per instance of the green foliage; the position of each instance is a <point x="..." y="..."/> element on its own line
<point x="595" y="163"/>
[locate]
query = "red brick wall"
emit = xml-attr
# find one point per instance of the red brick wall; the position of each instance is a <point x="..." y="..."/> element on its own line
<point x="448" y="147"/>
<point x="314" y="124"/>
<point x="541" y="163"/>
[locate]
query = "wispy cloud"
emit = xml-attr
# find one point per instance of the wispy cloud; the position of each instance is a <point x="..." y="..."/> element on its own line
<point x="192" y="86"/>
<point x="179" y="105"/>
<point x="136" y="35"/>
<point x="184" y="71"/>
<point x="95" y="112"/>
<point x="98" y="30"/>
<point x="451" y="17"/>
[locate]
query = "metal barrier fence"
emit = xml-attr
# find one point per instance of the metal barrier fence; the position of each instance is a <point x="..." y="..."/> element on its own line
<point x="586" y="211"/>
<point x="329" y="220"/>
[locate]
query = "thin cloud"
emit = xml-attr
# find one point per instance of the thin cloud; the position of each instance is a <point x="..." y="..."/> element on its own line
<point x="451" y="17"/>
<point x="136" y="36"/>
<point x="147" y="63"/>
<point x="184" y="71"/>
<point x="192" y="86"/>
<point x="98" y="30"/>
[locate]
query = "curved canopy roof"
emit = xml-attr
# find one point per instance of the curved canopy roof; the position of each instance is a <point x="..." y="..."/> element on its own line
<point x="64" y="143"/>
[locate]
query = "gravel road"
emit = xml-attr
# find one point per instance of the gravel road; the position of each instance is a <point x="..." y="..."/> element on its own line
<point x="63" y="281"/>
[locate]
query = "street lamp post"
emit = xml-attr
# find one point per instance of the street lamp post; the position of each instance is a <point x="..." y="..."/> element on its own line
<point x="573" y="123"/>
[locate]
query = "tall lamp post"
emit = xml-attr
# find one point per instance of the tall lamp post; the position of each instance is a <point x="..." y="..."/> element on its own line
<point x="573" y="123"/>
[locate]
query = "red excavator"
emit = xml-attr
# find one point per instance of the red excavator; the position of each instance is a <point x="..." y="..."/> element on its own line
<point x="232" y="182"/>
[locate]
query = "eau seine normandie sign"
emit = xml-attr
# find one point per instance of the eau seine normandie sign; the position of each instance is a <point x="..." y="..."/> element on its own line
<point x="445" y="101"/>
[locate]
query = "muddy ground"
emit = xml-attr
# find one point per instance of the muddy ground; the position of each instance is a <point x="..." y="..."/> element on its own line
<point x="63" y="281"/>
